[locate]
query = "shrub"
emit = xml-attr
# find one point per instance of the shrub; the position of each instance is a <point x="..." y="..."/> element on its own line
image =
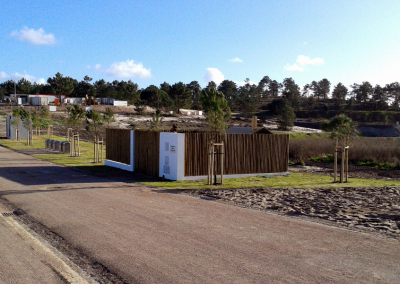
<point x="363" y="151"/>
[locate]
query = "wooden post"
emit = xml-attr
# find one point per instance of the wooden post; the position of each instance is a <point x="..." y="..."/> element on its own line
<point x="79" y="148"/>
<point x="209" y="165"/>
<point x="94" y="150"/>
<point x="101" y="150"/>
<point x="222" y="163"/>
<point x="50" y="131"/>
<point x="347" y="160"/>
<point x="98" y="149"/>
<point x="71" y="147"/>
<point x="342" y="166"/>
<point x="75" y="149"/>
<point x="254" y="123"/>
<point x="37" y="131"/>
<point x="212" y="162"/>
<point x="335" y="162"/>
<point x="215" y="164"/>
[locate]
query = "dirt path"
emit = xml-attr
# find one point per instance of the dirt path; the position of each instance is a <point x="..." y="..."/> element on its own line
<point x="144" y="235"/>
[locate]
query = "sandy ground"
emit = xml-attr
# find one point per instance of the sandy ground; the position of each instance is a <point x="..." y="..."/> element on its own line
<point x="147" y="235"/>
<point x="369" y="209"/>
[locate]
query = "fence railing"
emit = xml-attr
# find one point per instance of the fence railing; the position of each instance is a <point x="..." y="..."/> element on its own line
<point x="118" y="145"/>
<point x="244" y="153"/>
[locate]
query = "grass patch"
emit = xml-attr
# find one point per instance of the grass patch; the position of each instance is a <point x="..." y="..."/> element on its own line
<point x="376" y="165"/>
<point x="38" y="142"/>
<point x="85" y="160"/>
<point x="308" y="135"/>
<point x="328" y="158"/>
<point x="294" y="180"/>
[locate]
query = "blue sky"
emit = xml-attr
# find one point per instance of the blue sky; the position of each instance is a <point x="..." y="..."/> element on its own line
<point x="150" y="42"/>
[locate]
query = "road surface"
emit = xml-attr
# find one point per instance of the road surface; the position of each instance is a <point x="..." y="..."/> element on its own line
<point x="148" y="235"/>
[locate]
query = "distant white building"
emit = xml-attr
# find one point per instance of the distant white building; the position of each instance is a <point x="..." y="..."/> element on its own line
<point x="189" y="112"/>
<point x="37" y="99"/>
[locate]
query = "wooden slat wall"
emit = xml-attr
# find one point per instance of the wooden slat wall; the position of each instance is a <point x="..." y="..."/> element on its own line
<point x="147" y="152"/>
<point x="244" y="153"/>
<point x="118" y="145"/>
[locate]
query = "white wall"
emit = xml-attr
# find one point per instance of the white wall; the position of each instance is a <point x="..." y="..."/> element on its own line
<point x="122" y="166"/>
<point x="172" y="155"/>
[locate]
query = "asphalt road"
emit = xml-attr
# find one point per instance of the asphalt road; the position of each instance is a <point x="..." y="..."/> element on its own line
<point x="147" y="235"/>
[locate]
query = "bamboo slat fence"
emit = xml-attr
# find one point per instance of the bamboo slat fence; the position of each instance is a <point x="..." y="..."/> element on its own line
<point x="147" y="152"/>
<point x="244" y="153"/>
<point x="118" y="145"/>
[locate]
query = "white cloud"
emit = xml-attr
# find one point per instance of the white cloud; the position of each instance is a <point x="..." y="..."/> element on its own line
<point x="127" y="69"/>
<point x="37" y="37"/>
<point x="41" y="81"/>
<point x="294" y="67"/>
<point x="213" y="74"/>
<point x="305" y="60"/>
<point x="235" y="60"/>
<point x="4" y="75"/>
<point x="17" y="76"/>
<point x="302" y="61"/>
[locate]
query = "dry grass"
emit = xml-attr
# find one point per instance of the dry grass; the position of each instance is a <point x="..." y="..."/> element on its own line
<point x="374" y="151"/>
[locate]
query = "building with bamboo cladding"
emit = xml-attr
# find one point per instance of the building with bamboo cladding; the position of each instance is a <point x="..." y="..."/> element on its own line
<point x="185" y="156"/>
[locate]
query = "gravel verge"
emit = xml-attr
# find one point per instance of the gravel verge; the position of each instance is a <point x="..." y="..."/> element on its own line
<point x="97" y="271"/>
<point x="367" y="209"/>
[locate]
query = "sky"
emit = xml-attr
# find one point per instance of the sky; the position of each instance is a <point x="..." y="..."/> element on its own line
<point x="151" y="42"/>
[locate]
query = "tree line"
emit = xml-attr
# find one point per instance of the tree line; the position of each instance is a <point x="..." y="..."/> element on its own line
<point x="245" y="98"/>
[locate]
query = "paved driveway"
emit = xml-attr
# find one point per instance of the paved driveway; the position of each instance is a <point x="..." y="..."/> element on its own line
<point x="151" y="236"/>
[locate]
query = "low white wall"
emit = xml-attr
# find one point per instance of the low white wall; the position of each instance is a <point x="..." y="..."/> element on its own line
<point x="122" y="166"/>
<point x="172" y="155"/>
<point x="237" y="176"/>
<point x="118" y="165"/>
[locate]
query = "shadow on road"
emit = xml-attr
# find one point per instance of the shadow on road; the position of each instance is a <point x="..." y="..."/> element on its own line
<point x="47" y="175"/>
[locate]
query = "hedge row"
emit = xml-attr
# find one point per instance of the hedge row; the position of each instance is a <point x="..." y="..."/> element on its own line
<point x="383" y="117"/>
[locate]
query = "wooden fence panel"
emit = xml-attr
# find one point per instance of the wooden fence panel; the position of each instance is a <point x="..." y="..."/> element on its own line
<point x="244" y="153"/>
<point x="147" y="152"/>
<point x="118" y="142"/>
